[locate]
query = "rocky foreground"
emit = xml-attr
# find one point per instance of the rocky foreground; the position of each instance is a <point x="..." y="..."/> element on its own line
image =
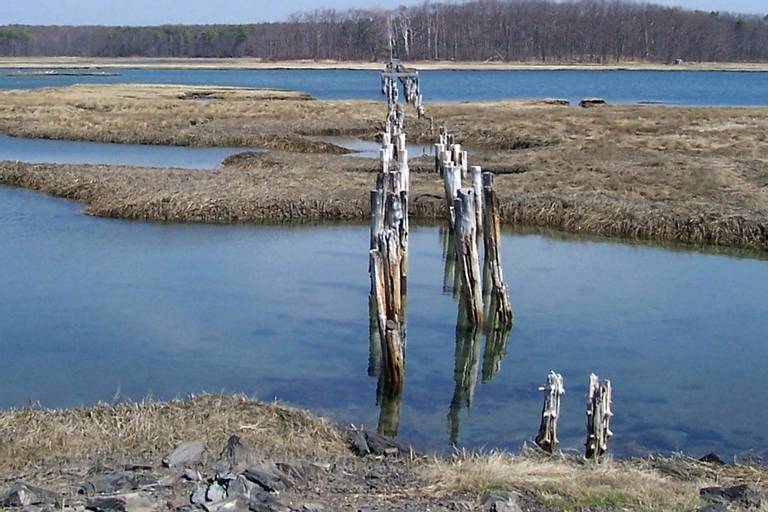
<point x="214" y="453"/>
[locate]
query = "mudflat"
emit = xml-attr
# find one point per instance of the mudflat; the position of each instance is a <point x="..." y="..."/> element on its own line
<point x="694" y="175"/>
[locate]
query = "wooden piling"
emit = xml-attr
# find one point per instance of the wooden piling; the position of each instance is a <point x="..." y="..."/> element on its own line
<point x="598" y="417"/>
<point x="476" y="178"/>
<point x="554" y="390"/>
<point x="465" y="229"/>
<point x="499" y="309"/>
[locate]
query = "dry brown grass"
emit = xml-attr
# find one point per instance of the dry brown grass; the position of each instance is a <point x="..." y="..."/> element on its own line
<point x="692" y="175"/>
<point x="182" y="116"/>
<point x="147" y="431"/>
<point x="568" y="483"/>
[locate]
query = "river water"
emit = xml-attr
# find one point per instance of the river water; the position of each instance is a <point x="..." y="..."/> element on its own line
<point x="716" y="88"/>
<point x="39" y="151"/>
<point x="98" y="309"/>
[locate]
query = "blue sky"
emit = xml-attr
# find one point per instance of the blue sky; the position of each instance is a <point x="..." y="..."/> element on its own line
<point x="154" y="12"/>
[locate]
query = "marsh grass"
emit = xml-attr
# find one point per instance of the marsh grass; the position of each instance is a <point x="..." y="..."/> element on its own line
<point x="147" y="430"/>
<point x="678" y="174"/>
<point x="566" y="483"/>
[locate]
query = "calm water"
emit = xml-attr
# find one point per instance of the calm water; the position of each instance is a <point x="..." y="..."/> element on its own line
<point x="91" y="309"/>
<point x="76" y="152"/>
<point x="675" y="88"/>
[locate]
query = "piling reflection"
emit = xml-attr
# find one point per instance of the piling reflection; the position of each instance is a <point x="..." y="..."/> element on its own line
<point x="451" y="278"/>
<point x="467" y="360"/>
<point x="496" y="330"/>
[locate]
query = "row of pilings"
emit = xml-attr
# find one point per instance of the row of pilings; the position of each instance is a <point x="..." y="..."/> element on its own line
<point x="474" y="227"/>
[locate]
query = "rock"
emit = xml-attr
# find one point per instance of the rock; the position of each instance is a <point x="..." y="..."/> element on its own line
<point x="227" y="505"/>
<point x="186" y="454"/>
<point x="106" y="504"/>
<point x="592" y="102"/>
<point x="312" y="507"/>
<point x="383" y="445"/>
<point x="115" y="482"/>
<point x="236" y="453"/>
<point x="747" y="496"/>
<point x="359" y="443"/>
<point x="191" y="475"/>
<point x="717" y="507"/>
<point x="198" y="495"/>
<point x="242" y="487"/>
<point x="712" y="458"/>
<point x="501" y="502"/>
<point x="135" y="502"/>
<point x="23" y="495"/>
<point x="215" y="492"/>
<point x="263" y="502"/>
<point x="556" y="101"/>
<point x="268" y="476"/>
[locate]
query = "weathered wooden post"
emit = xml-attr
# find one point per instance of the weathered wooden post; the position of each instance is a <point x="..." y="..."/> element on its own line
<point x="499" y="309"/>
<point x="451" y="185"/>
<point x="554" y="390"/>
<point x="465" y="229"/>
<point x="598" y="417"/>
<point x="476" y="177"/>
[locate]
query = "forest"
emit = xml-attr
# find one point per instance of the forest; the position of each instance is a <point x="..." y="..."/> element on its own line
<point x="588" y="31"/>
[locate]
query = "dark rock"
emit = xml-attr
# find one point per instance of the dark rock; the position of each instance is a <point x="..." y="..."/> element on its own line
<point x="236" y="453"/>
<point x="713" y="459"/>
<point x="23" y="495"/>
<point x="268" y="476"/>
<point x="115" y="482"/>
<point x="312" y="507"/>
<point x="186" y="454"/>
<point x="107" y="504"/>
<point x="383" y="445"/>
<point x="747" y="496"/>
<point x="501" y="502"/>
<point x="592" y="102"/>
<point x="138" y="467"/>
<point x="359" y="443"/>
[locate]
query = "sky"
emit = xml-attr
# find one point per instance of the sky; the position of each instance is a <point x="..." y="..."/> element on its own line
<point x="156" y="12"/>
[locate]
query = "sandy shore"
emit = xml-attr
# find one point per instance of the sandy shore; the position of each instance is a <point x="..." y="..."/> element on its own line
<point x="250" y="63"/>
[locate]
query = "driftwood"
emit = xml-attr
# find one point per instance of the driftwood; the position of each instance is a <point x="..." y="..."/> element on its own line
<point x="598" y="417"/>
<point x="554" y="390"/>
<point x="465" y="229"/>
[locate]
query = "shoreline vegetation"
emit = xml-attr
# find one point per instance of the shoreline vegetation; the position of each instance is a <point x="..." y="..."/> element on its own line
<point x="166" y="454"/>
<point x="691" y="175"/>
<point x="246" y="63"/>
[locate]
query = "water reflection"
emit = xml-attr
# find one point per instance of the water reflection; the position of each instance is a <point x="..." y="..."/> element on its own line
<point x="468" y="337"/>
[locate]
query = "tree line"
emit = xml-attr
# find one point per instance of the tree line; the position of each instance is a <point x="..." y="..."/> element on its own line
<point x="480" y="30"/>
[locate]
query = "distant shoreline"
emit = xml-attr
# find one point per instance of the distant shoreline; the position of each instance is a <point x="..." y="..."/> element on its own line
<point x="248" y="63"/>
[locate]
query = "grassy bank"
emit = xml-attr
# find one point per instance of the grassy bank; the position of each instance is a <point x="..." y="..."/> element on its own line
<point x="60" y="449"/>
<point x="251" y="63"/>
<point x="692" y="175"/>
